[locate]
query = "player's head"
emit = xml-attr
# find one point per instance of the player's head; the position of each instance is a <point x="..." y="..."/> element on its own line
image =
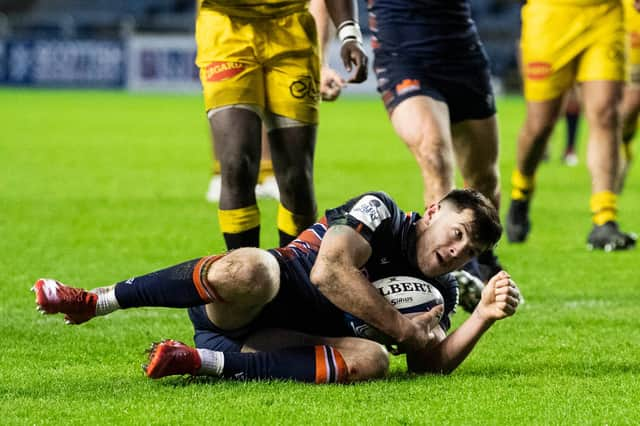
<point x="461" y="226"/>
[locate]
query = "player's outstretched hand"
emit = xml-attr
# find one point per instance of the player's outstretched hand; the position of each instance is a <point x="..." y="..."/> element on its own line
<point x="500" y="297"/>
<point x="424" y="336"/>
<point x="352" y="56"/>
<point x="331" y="84"/>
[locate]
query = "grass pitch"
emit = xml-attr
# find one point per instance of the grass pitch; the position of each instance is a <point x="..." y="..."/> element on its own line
<point x="99" y="186"/>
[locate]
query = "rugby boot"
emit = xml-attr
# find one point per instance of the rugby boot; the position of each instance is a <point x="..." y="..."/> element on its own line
<point x="470" y="290"/>
<point x="53" y="297"/>
<point x="609" y="237"/>
<point x="170" y="358"/>
<point x="518" y="225"/>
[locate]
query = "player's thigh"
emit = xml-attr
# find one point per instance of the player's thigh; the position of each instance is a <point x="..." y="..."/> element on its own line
<point x="237" y="132"/>
<point x="365" y="359"/>
<point x="475" y="144"/>
<point x="292" y="68"/>
<point x="242" y="282"/>
<point x="550" y="45"/>
<point x="422" y="120"/>
<point x="229" y="71"/>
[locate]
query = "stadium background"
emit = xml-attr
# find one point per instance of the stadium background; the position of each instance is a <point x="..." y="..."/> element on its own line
<point x="148" y="44"/>
<point x="98" y="185"/>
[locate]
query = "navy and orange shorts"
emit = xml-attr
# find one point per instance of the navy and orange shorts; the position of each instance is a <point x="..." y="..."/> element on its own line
<point x="463" y="82"/>
<point x="298" y="306"/>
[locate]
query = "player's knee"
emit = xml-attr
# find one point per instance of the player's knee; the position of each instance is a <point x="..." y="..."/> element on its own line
<point x="539" y="128"/>
<point x="247" y="275"/>
<point x="239" y="171"/>
<point x="296" y="188"/>
<point x="604" y="116"/>
<point x="370" y="361"/>
<point x="434" y="153"/>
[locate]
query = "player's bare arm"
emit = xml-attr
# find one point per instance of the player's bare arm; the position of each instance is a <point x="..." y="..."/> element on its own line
<point x="337" y="275"/>
<point x="331" y="83"/>
<point x="500" y="299"/>
<point x="343" y="15"/>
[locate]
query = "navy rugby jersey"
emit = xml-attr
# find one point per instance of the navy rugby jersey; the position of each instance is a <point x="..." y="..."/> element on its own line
<point x="422" y="27"/>
<point x="391" y="234"/>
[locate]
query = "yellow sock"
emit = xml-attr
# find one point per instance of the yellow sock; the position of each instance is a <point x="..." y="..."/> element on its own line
<point x="266" y="170"/>
<point x="603" y="207"/>
<point x="239" y="220"/>
<point x="292" y="224"/>
<point x="521" y="186"/>
<point x="216" y="167"/>
<point x="240" y="227"/>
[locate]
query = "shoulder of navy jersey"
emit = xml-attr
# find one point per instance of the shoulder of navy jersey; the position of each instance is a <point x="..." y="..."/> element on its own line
<point x="368" y="213"/>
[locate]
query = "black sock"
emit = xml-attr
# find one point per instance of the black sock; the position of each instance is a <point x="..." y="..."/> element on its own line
<point x="572" y="130"/>
<point x="319" y="364"/>
<point x="248" y="238"/>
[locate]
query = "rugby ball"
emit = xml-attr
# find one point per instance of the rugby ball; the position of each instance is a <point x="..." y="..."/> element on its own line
<point x="407" y="294"/>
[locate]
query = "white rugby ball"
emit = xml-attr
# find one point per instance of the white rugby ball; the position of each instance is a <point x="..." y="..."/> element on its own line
<point x="406" y="294"/>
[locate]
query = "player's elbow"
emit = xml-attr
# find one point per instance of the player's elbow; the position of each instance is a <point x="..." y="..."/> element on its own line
<point x="322" y="274"/>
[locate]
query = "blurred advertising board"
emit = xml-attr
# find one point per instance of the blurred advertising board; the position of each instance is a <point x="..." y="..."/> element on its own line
<point x="62" y="63"/>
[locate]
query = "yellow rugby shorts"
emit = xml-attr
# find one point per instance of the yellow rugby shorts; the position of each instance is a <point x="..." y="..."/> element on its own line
<point x="562" y="44"/>
<point x="632" y="42"/>
<point x="269" y="62"/>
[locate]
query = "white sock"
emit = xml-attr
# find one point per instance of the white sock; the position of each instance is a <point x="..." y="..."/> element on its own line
<point x="212" y="362"/>
<point x="107" y="301"/>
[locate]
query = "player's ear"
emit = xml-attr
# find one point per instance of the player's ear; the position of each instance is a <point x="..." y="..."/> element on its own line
<point x="431" y="210"/>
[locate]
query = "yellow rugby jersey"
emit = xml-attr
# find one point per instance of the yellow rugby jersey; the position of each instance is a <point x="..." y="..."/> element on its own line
<point x="255" y="8"/>
<point x="574" y="2"/>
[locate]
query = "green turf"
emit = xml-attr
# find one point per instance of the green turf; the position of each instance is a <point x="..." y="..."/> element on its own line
<point x="99" y="186"/>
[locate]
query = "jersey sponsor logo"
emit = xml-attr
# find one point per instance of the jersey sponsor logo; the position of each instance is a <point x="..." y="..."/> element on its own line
<point x="407" y="85"/>
<point x="304" y="87"/>
<point x="538" y="70"/>
<point x="370" y="211"/>
<point x="218" y="71"/>
<point x="634" y="39"/>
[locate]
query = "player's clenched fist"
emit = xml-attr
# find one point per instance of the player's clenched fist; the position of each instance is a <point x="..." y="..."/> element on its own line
<point x="353" y="56"/>
<point x="500" y="297"/>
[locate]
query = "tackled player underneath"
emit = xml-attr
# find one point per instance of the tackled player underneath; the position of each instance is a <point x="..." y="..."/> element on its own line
<point x="280" y="313"/>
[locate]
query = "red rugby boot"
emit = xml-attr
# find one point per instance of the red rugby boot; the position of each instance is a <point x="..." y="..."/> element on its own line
<point x="53" y="297"/>
<point x="170" y="358"/>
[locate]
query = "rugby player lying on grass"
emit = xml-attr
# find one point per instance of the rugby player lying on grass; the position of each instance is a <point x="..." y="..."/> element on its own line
<point x="280" y="313"/>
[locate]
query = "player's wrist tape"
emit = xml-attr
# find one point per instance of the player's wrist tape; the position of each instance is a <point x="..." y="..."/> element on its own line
<point x="349" y="31"/>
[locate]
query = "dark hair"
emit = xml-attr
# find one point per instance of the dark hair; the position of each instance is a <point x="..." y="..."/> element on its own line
<point x="485" y="228"/>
